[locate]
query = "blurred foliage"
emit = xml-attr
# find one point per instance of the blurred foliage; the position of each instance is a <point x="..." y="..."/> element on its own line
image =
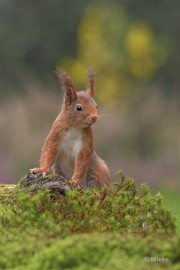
<point x="34" y="35"/>
<point x="163" y="16"/>
<point x="120" y="50"/>
<point x="172" y="201"/>
<point x="125" y="37"/>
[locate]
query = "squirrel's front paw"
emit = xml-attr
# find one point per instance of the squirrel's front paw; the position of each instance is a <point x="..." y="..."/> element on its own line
<point x="74" y="182"/>
<point x="39" y="170"/>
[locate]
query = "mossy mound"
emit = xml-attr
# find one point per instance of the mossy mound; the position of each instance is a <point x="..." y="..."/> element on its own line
<point x="128" y="209"/>
<point x="94" y="251"/>
<point x="86" y="229"/>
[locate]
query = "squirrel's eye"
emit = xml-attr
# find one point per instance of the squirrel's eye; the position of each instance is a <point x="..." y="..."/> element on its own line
<point x="78" y="108"/>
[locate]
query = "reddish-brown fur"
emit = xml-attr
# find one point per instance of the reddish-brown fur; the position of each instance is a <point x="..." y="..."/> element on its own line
<point x="69" y="147"/>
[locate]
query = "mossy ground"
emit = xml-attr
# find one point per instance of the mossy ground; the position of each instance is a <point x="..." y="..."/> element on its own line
<point x="93" y="229"/>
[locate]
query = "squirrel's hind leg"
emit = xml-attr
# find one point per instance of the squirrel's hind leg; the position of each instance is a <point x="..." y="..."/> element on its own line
<point x="99" y="172"/>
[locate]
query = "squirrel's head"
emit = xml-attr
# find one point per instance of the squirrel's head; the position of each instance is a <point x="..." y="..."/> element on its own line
<point x="79" y="107"/>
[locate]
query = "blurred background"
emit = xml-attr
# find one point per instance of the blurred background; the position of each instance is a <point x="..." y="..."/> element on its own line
<point x="133" y="47"/>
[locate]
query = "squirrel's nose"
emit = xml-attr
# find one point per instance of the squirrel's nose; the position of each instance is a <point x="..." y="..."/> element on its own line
<point x="94" y="118"/>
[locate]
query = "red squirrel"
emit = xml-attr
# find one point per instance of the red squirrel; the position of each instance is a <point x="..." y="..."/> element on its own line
<point x="69" y="147"/>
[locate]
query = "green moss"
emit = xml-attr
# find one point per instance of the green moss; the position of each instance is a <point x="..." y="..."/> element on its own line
<point x="103" y="251"/>
<point x="90" y="229"/>
<point x="8" y="203"/>
<point x="88" y="251"/>
<point x="8" y="194"/>
<point x="127" y="210"/>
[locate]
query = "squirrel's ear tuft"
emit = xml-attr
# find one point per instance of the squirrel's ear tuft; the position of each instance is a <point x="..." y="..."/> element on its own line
<point x="68" y="86"/>
<point x="91" y="78"/>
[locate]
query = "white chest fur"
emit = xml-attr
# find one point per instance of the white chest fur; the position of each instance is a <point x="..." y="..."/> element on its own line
<point x="71" y="144"/>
